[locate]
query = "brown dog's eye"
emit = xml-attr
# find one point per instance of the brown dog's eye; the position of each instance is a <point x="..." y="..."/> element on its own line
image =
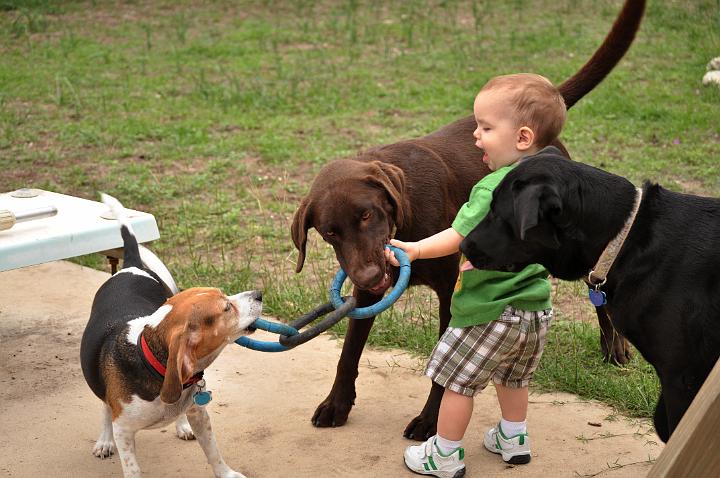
<point x="366" y="215"/>
<point x="228" y="306"/>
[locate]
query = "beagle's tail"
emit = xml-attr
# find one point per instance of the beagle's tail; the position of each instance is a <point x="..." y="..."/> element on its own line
<point x="136" y="255"/>
<point x="153" y="262"/>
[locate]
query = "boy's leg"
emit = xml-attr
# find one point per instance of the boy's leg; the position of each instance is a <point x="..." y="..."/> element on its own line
<point x="442" y="455"/>
<point x="513" y="402"/>
<point x="451" y="366"/>
<point x="509" y="437"/>
<point x="513" y="406"/>
<point x="454" y="417"/>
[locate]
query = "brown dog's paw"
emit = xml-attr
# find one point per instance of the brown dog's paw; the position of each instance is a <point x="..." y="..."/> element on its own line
<point x="331" y="413"/>
<point x="615" y="348"/>
<point x="421" y="428"/>
<point x="617" y="352"/>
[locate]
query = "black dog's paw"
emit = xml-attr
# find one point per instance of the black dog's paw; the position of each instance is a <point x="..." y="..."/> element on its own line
<point x="332" y="413"/>
<point x="421" y="428"/>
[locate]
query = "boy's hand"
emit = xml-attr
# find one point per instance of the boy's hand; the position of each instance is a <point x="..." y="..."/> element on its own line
<point x="412" y="249"/>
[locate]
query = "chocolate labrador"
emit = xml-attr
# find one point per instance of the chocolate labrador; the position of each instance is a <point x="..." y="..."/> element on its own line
<point x="413" y="189"/>
<point x="663" y="288"/>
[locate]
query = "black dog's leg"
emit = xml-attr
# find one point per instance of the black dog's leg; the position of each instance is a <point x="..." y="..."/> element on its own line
<point x="334" y="410"/>
<point x="615" y="348"/>
<point x="424" y="425"/>
<point x="678" y="390"/>
<point x="660" y="419"/>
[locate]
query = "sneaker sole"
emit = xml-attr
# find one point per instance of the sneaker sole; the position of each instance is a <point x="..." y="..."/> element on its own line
<point x="523" y="459"/>
<point x="518" y="460"/>
<point x="458" y="474"/>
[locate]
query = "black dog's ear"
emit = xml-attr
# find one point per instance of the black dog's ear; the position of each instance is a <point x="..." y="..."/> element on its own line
<point x="534" y="206"/>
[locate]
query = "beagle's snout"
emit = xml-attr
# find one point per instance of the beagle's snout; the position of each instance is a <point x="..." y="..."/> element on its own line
<point x="256" y="296"/>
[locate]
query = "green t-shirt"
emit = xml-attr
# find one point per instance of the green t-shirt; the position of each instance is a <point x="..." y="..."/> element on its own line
<point x="480" y="295"/>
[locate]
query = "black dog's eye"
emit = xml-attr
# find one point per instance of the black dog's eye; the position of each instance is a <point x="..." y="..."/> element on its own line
<point x="329" y="233"/>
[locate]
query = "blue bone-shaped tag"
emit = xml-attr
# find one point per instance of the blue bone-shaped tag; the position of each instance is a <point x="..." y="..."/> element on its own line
<point x="202" y="398"/>
<point x="597" y="297"/>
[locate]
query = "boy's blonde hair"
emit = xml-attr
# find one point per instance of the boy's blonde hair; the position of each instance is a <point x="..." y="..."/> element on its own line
<point x="536" y="102"/>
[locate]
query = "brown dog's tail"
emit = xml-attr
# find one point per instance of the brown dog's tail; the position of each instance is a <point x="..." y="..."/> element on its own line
<point x="616" y="43"/>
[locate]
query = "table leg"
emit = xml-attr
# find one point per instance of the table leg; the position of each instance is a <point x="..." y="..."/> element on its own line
<point x="113" y="264"/>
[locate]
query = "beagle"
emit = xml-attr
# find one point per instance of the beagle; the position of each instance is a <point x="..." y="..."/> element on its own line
<point x="146" y="345"/>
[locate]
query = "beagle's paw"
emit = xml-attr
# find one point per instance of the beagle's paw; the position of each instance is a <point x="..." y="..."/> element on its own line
<point x="221" y="470"/>
<point x="183" y="428"/>
<point x="104" y="448"/>
<point x="233" y="474"/>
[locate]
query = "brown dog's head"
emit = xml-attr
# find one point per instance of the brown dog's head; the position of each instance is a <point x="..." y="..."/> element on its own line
<point x="354" y="205"/>
<point x="198" y="325"/>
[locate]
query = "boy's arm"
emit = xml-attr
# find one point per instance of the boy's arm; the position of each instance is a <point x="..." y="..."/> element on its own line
<point x="441" y="244"/>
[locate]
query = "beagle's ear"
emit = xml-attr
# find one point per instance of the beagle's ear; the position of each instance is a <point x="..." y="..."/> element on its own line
<point x="180" y="364"/>
<point x="392" y="179"/>
<point x="302" y="221"/>
<point x="534" y="206"/>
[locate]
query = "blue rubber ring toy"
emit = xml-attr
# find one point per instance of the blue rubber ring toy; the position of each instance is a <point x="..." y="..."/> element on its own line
<point x="273" y="327"/>
<point x="387" y="301"/>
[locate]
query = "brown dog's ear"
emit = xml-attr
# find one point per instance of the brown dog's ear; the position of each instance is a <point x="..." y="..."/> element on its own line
<point x="392" y="179"/>
<point x="300" y="226"/>
<point x="534" y="205"/>
<point x="180" y="365"/>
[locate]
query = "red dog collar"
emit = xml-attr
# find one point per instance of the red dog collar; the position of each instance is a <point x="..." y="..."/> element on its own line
<point x="154" y="365"/>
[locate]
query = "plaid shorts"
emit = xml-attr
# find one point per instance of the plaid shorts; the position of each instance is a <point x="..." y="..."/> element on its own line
<point x="506" y="350"/>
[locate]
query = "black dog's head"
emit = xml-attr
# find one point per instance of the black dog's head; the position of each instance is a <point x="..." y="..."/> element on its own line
<point x="519" y="229"/>
<point x="539" y="214"/>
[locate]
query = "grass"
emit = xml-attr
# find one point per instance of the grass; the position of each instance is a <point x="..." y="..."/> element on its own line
<point x="216" y="117"/>
<point x="571" y="364"/>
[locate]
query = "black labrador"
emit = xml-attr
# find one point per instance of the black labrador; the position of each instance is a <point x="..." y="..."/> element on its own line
<point x="663" y="289"/>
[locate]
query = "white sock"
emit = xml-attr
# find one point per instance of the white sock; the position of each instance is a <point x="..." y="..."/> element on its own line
<point x="446" y="446"/>
<point x="511" y="429"/>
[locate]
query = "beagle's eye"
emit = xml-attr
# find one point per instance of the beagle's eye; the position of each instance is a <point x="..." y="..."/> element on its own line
<point x="366" y="215"/>
<point x="228" y="306"/>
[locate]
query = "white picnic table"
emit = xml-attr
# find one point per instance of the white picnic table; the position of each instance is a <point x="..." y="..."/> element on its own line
<point x="80" y="227"/>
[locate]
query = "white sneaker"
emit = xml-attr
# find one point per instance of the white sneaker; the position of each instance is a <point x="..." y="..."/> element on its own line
<point x="426" y="459"/>
<point x="514" y="450"/>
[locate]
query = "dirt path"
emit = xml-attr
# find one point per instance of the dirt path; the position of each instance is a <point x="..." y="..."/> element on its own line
<point x="262" y="406"/>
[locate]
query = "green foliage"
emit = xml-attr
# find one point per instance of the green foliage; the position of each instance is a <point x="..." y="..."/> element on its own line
<point x="572" y="362"/>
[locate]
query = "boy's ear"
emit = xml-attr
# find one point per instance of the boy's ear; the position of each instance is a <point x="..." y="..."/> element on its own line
<point x="525" y="138"/>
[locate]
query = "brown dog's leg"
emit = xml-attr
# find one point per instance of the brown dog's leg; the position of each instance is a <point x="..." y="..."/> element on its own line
<point x="615" y="347"/>
<point x="334" y="410"/>
<point x="424" y="425"/>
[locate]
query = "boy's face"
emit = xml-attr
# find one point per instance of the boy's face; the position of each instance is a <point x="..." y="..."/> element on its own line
<point x="496" y="131"/>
